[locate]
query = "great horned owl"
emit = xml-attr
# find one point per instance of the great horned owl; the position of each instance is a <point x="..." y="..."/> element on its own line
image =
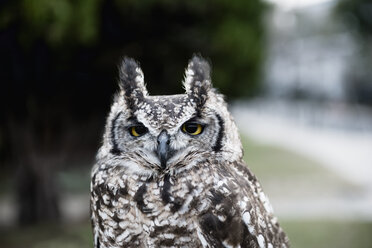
<point x="170" y="171"/>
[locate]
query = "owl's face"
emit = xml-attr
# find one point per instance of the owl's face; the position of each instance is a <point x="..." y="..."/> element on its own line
<point x="152" y="134"/>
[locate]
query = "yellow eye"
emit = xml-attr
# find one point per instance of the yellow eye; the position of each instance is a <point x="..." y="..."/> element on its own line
<point x="192" y="128"/>
<point x="137" y="131"/>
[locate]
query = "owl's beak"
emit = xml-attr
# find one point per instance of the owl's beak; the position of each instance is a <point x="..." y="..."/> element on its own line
<point x="163" y="149"/>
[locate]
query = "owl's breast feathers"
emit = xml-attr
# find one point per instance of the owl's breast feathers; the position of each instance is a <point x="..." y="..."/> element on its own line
<point x="210" y="205"/>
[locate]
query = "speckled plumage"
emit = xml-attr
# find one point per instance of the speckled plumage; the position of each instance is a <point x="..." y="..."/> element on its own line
<point x="201" y="195"/>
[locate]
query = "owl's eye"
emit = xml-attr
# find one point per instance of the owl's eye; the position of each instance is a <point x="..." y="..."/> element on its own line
<point x="137" y="131"/>
<point x="192" y="128"/>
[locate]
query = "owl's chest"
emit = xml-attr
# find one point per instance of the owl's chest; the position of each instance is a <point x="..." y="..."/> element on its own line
<point x="167" y="202"/>
<point x="155" y="211"/>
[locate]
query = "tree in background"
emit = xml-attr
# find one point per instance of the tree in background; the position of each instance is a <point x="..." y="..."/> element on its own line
<point x="357" y="15"/>
<point x="58" y="71"/>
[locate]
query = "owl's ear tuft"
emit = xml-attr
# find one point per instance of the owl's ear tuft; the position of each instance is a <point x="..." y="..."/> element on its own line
<point x="198" y="80"/>
<point x="131" y="81"/>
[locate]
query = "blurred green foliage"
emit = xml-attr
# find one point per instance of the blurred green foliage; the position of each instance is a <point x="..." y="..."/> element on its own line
<point x="60" y="22"/>
<point x="162" y="34"/>
<point x="59" y="60"/>
<point x="230" y="33"/>
<point x="357" y="14"/>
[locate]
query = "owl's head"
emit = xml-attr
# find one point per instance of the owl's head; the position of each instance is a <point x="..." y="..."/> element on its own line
<point x="152" y="134"/>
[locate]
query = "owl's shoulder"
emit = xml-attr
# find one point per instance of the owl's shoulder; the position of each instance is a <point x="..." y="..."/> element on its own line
<point x="239" y="212"/>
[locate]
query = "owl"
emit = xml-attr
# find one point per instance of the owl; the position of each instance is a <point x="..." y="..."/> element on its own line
<point x="170" y="172"/>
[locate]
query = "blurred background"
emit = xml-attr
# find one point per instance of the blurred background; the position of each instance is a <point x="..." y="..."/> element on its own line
<point x="296" y="73"/>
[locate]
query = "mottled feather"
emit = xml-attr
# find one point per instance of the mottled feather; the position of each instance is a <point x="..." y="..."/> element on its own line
<point x="203" y="195"/>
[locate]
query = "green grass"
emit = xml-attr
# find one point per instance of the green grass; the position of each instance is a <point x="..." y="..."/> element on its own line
<point x="271" y="161"/>
<point x="302" y="234"/>
<point x="283" y="172"/>
<point x="326" y="234"/>
<point x="48" y="236"/>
